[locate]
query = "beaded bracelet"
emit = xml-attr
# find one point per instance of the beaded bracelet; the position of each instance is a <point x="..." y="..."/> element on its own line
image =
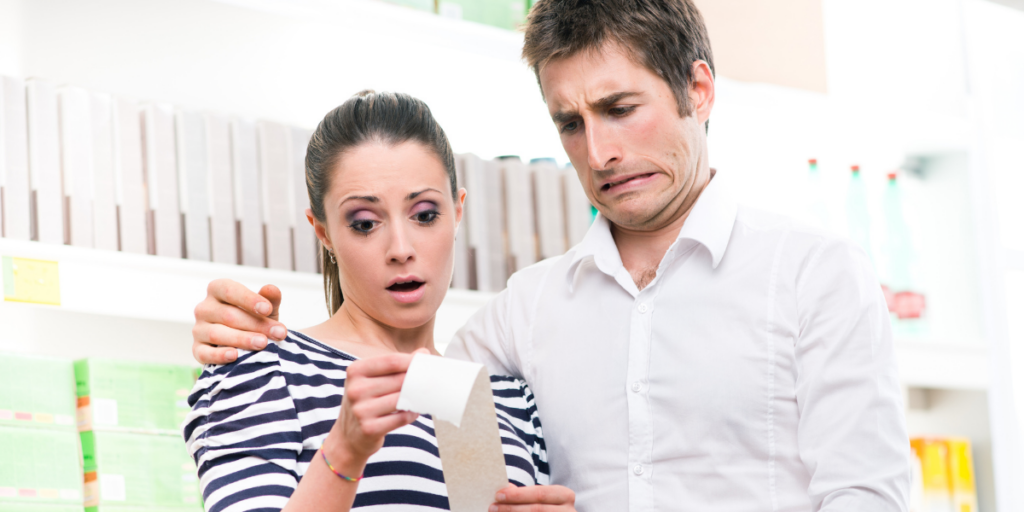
<point x="335" y="471"/>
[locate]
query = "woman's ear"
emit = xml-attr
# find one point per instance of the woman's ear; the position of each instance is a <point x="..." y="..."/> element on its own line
<point x="460" y="203"/>
<point x="320" y="229"/>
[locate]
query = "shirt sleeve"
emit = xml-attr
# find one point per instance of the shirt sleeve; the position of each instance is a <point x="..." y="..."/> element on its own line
<point x="486" y="338"/>
<point x="851" y="431"/>
<point x="244" y="434"/>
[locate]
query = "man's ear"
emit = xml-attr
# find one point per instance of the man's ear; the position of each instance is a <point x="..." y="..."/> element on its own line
<point x="702" y="91"/>
<point x="320" y="229"/>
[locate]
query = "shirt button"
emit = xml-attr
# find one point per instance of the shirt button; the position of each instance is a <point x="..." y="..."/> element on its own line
<point x="638" y="470"/>
<point x="637" y="387"/>
<point x="642" y="307"/>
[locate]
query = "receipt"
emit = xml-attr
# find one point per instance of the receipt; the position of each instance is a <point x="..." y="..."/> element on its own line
<point x="457" y="395"/>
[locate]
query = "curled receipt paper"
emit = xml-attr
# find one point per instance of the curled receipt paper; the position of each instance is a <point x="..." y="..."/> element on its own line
<point x="457" y="395"/>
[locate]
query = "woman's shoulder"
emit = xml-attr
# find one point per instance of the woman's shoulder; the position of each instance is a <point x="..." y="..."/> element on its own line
<point x="296" y="355"/>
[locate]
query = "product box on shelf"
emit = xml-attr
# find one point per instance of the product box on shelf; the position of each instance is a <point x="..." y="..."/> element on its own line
<point x="419" y="5"/>
<point x="37" y="392"/>
<point x="126" y="470"/>
<point x="40" y="469"/>
<point x="130" y="395"/>
<point x="506" y="14"/>
<point x="947" y="475"/>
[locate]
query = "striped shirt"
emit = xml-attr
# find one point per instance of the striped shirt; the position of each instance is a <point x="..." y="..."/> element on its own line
<point x="256" y="424"/>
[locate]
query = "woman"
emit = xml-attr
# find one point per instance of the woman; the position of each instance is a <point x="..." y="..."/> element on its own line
<point x="310" y="423"/>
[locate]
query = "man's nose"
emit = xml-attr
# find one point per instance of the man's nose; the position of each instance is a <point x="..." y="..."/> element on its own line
<point x="603" y="151"/>
<point x="400" y="250"/>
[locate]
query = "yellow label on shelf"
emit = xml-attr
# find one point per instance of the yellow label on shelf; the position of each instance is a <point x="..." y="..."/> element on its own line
<point x="27" y="280"/>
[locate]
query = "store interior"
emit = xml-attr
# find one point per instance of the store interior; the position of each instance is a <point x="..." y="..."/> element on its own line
<point x="897" y="123"/>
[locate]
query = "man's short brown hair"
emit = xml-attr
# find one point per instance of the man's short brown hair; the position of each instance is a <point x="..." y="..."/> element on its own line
<point x="665" y="36"/>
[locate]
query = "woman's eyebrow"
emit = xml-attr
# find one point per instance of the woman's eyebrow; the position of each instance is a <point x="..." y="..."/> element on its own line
<point x="415" y="194"/>
<point x="371" y="199"/>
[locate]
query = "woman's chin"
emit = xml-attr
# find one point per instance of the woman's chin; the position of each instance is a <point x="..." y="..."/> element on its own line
<point x="410" y="316"/>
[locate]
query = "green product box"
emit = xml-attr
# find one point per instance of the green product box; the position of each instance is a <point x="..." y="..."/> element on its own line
<point x="39" y="467"/>
<point x="36" y="392"/>
<point x="506" y="14"/>
<point x="129" y="395"/>
<point x="39" y="507"/>
<point x="144" y="471"/>
<point x="419" y="5"/>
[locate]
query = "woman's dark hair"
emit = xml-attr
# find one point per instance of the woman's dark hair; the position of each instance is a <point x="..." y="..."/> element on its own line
<point x="381" y="117"/>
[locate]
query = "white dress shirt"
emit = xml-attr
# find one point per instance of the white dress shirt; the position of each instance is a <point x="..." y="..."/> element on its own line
<point x="754" y="373"/>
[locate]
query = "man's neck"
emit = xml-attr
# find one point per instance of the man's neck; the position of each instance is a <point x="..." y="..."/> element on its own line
<point x="641" y="251"/>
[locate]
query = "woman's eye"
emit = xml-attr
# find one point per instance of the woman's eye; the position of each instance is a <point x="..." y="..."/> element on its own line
<point x="363" y="226"/>
<point x="426" y="216"/>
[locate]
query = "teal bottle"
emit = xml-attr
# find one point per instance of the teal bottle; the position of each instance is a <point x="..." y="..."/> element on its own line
<point x="906" y="301"/>
<point x="816" y="200"/>
<point x="857" y="217"/>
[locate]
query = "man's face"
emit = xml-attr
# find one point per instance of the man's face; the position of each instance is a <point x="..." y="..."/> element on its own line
<point x="637" y="159"/>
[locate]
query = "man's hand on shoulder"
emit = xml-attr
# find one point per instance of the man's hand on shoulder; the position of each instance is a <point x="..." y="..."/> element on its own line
<point x="232" y="317"/>
<point x="547" y="498"/>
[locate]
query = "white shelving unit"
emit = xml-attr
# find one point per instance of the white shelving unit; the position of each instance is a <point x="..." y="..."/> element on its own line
<point x="926" y="78"/>
<point x="140" y="307"/>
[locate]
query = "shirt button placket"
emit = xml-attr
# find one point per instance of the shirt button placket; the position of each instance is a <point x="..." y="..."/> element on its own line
<point x="641" y="495"/>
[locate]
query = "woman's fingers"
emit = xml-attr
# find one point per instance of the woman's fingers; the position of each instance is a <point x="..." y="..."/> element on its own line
<point x="364" y="388"/>
<point x="385" y="424"/>
<point x="380" y="365"/>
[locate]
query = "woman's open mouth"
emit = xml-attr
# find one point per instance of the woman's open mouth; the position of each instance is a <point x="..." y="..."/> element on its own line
<point x="407" y="289"/>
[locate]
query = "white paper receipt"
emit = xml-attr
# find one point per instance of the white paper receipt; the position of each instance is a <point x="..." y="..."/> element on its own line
<point x="439" y="387"/>
<point x="457" y="395"/>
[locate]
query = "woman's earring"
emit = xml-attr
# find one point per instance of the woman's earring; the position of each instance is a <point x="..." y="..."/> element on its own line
<point x="331" y="252"/>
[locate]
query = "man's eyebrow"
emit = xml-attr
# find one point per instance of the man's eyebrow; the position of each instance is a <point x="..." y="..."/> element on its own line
<point x="564" y="116"/>
<point x="612" y="99"/>
<point x="415" y="194"/>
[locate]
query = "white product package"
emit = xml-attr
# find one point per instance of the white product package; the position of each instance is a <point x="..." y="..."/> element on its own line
<point x="457" y="395"/>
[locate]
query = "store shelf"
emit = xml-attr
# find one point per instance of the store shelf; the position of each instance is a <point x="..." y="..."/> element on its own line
<point x="941" y="364"/>
<point x="141" y="307"/>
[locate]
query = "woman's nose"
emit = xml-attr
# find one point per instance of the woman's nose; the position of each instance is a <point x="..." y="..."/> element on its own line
<point x="400" y="249"/>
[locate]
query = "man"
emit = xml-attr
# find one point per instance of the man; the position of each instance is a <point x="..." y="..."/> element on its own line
<point x="689" y="354"/>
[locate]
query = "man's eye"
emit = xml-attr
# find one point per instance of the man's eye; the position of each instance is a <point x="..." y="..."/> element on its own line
<point x="568" y="127"/>
<point x="620" y="111"/>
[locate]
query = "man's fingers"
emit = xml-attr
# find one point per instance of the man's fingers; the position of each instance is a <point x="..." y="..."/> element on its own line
<point x="272" y="294"/>
<point x="207" y="354"/>
<point x="537" y="494"/>
<point x="236" y="294"/>
<point x="223" y="336"/>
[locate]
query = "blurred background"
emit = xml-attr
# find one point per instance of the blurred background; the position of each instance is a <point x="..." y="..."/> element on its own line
<point x="147" y="148"/>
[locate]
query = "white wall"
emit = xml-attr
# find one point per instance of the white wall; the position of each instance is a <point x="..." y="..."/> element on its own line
<point x="293" y="61"/>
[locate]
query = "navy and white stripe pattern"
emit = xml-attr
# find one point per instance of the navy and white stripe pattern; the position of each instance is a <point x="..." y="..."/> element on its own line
<point x="256" y="424"/>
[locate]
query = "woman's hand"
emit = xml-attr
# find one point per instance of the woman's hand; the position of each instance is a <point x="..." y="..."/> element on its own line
<point x="368" y="410"/>
<point x="546" y="498"/>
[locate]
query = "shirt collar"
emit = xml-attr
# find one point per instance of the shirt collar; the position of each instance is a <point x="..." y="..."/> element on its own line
<point x="710" y="224"/>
